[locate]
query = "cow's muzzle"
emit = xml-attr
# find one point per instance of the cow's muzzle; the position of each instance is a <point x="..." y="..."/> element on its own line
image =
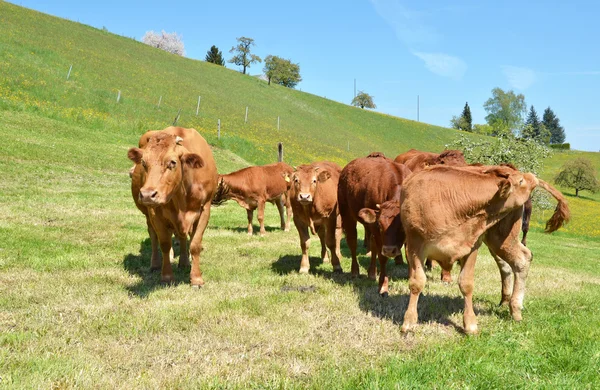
<point x="304" y="198"/>
<point x="149" y="197"/>
<point x="390" y="250"/>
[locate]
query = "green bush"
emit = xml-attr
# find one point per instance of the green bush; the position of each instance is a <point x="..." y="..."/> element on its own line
<point x="565" y="146"/>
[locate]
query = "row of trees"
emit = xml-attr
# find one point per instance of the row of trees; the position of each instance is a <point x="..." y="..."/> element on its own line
<point x="506" y="112"/>
<point x="277" y="70"/>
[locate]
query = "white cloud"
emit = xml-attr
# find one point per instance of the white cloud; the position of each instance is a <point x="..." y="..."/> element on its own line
<point x="519" y="78"/>
<point x="407" y="24"/>
<point x="443" y="64"/>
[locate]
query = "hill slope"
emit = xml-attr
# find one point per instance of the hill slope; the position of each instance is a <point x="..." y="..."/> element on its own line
<point x="37" y="50"/>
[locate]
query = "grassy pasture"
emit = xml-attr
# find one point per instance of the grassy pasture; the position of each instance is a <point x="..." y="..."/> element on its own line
<point x="79" y="307"/>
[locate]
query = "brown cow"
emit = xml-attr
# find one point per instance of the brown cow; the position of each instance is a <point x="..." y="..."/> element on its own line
<point x="173" y="182"/>
<point x="253" y="186"/>
<point x="416" y="160"/>
<point x="365" y="183"/>
<point x="314" y="202"/>
<point x="447" y="212"/>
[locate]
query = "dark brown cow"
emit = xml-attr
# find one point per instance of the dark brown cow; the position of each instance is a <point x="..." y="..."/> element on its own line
<point x="313" y="196"/>
<point x="365" y="183"/>
<point x="416" y="160"/>
<point x="447" y="212"/>
<point x="173" y="182"/>
<point x="253" y="186"/>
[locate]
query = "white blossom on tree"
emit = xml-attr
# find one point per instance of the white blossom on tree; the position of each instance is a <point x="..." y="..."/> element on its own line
<point x="170" y="42"/>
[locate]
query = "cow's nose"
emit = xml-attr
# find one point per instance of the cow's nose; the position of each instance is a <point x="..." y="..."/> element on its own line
<point x="390" y="250"/>
<point x="148" y="195"/>
<point x="304" y="197"/>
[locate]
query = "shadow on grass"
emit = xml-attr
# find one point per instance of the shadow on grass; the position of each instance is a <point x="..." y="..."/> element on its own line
<point x="255" y="229"/>
<point x="431" y="308"/>
<point x="139" y="265"/>
<point x="571" y="195"/>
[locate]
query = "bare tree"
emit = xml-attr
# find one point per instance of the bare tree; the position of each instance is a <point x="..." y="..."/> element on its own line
<point x="243" y="57"/>
<point x="170" y="42"/>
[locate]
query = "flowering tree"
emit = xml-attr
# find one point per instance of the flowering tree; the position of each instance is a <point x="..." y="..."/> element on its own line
<point x="170" y="42"/>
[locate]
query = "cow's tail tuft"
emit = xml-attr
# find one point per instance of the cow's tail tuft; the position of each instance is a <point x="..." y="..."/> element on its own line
<point x="221" y="195"/>
<point x="561" y="213"/>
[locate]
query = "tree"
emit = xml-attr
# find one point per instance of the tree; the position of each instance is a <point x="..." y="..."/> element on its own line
<point x="468" y="120"/>
<point x="463" y="122"/>
<point x="533" y="125"/>
<point x="363" y="100"/>
<point x="579" y="174"/>
<point x="215" y="56"/>
<point x="505" y="111"/>
<point x="552" y="123"/>
<point x="243" y="57"/>
<point x="282" y="71"/>
<point x="170" y="42"/>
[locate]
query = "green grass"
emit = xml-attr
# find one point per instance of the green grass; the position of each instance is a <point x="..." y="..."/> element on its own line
<point x="80" y="308"/>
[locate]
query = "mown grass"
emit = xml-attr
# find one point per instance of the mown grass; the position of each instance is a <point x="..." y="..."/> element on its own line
<point x="80" y="308"/>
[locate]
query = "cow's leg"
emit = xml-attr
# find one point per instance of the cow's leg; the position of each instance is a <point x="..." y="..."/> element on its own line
<point x="184" y="260"/>
<point x="466" y="283"/>
<point x="261" y="217"/>
<point x="521" y="260"/>
<point x="383" y="278"/>
<point x="196" y="247"/>
<point x="288" y="209"/>
<point x="376" y="244"/>
<point x="155" y="263"/>
<point x="506" y="277"/>
<point x="398" y="260"/>
<point x="428" y="264"/>
<point x="250" y="213"/>
<point x="279" y="204"/>
<point x="166" y="273"/>
<point x="304" y="245"/>
<point x="446" y="274"/>
<point x="352" y="241"/>
<point x="367" y="242"/>
<point x="322" y="232"/>
<point x="416" y="283"/>
<point x="333" y="238"/>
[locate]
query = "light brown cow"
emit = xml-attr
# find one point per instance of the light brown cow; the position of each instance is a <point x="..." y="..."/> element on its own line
<point x="253" y="186"/>
<point x="313" y="196"/>
<point x="365" y="183"/>
<point x="173" y="183"/>
<point x="447" y="212"/>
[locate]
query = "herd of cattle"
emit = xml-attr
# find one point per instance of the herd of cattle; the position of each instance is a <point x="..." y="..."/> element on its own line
<point x="436" y="205"/>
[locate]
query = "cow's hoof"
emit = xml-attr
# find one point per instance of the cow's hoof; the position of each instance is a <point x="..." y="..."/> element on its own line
<point x="471" y="329"/>
<point x="303" y="270"/>
<point x="155" y="268"/>
<point x="167" y="279"/>
<point x="373" y="276"/>
<point x="184" y="264"/>
<point x="338" y="270"/>
<point x="286" y="229"/>
<point x="197" y="284"/>
<point x="355" y="275"/>
<point x="384" y="294"/>
<point x="405" y="328"/>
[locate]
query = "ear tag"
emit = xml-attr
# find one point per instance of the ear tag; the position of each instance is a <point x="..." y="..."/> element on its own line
<point x="287" y="179"/>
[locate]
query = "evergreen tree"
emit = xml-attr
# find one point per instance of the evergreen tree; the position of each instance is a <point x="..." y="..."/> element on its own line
<point x="215" y="56"/>
<point x="534" y="125"/>
<point x="467" y="119"/>
<point x="552" y="123"/>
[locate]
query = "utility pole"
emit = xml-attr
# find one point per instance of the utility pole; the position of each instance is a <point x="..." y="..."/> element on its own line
<point x="417" y="108"/>
<point x="354" y="87"/>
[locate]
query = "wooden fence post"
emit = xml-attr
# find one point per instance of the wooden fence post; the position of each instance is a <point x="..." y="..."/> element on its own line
<point x="159" y="100"/>
<point x="277" y="123"/>
<point x="198" y="106"/>
<point x="68" y="74"/>
<point x="177" y="117"/>
<point x="246" y="118"/>
<point x="280" y="151"/>
<point x="118" y="96"/>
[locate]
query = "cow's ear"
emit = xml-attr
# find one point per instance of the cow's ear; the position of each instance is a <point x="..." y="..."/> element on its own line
<point x="505" y="188"/>
<point x="135" y="155"/>
<point x="368" y="215"/>
<point x="192" y="160"/>
<point x="323" y="176"/>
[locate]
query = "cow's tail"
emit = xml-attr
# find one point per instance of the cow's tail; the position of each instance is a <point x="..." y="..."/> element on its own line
<point x="221" y="194"/>
<point x="561" y="213"/>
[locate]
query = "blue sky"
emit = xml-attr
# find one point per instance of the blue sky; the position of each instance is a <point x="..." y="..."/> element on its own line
<point x="447" y="52"/>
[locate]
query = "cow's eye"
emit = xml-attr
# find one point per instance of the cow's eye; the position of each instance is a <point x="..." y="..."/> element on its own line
<point x="314" y="180"/>
<point x="520" y="181"/>
<point x="143" y="163"/>
<point x="172" y="164"/>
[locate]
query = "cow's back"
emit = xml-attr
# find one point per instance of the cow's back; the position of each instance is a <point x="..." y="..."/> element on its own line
<point x="273" y="176"/>
<point x="367" y="182"/>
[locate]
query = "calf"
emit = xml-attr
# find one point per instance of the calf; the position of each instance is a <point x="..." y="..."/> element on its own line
<point x="313" y="196"/>
<point x="253" y="186"/>
<point x="173" y="182"/>
<point x="447" y="212"/>
<point x="365" y="183"/>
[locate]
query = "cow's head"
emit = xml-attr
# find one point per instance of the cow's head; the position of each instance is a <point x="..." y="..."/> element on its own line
<point x="453" y="158"/>
<point x="163" y="160"/>
<point x="386" y="218"/>
<point x="305" y="180"/>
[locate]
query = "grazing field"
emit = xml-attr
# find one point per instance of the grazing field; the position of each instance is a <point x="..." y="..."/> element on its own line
<point x="79" y="307"/>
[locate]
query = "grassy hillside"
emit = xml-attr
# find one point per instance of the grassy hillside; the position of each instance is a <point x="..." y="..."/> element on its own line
<point x="36" y="51"/>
